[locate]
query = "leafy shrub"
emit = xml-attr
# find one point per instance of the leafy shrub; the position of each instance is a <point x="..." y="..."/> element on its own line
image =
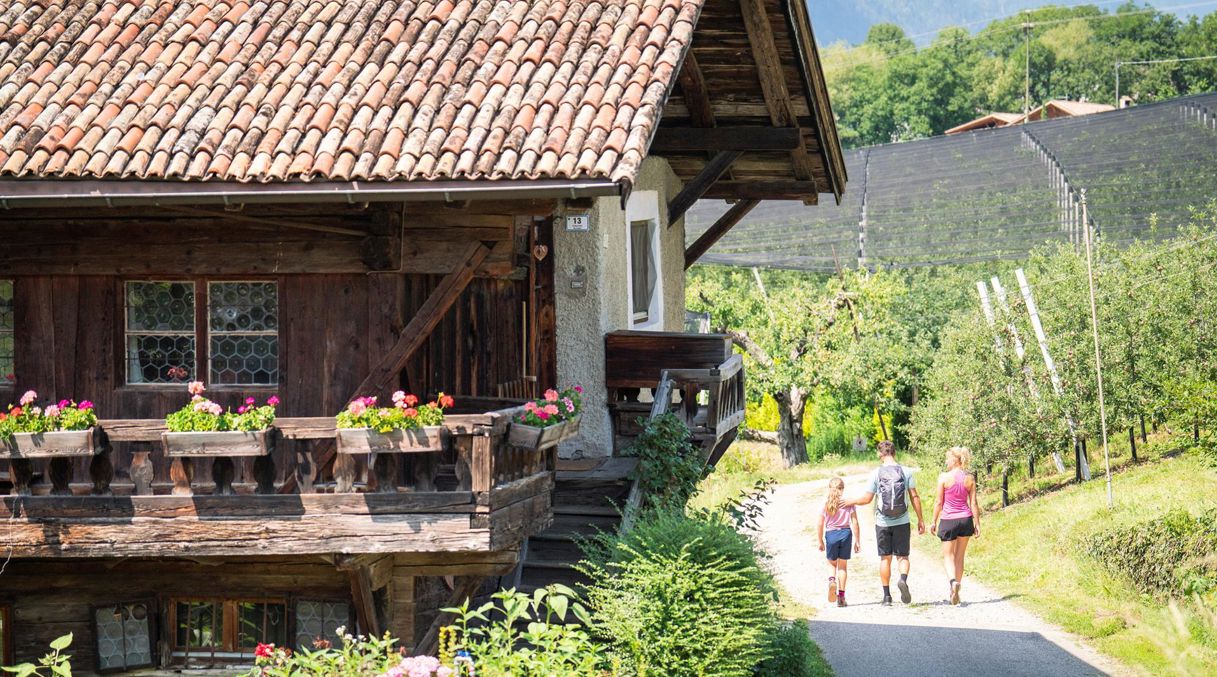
<point x="833" y="430"/>
<point x="491" y="646"/>
<point x="55" y="663"/>
<point x="669" y="466"/>
<point x="358" y="656"/>
<point x="1172" y="553"/>
<point x="654" y="590"/>
<point x="792" y="653"/>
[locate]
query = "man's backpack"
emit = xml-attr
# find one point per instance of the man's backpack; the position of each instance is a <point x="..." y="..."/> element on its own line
<point x="892" y="488"/>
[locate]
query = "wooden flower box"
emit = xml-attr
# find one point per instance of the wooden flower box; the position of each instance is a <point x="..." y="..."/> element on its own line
<point x="537" y="439"/>
<point x="217" y="443"/>
<point x="368" y="441"/>
<point x="57" y="444"/>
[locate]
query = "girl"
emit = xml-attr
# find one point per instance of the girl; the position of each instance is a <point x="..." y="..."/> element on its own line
<point x="837" y="526"/>
<point x="956" y="514"/>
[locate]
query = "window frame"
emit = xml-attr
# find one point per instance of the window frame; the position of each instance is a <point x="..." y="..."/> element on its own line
<point x="644" y="206"/>
<point x="228" y="648"/>
<point x="202" y="332"/>
<point x="7" y="657"/>
<point x="153" y="617"/>
<point x="293" y="628"/>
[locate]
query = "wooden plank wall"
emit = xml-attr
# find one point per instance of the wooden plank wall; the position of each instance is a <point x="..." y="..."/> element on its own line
<point x="52" y="598"/>
<point x="334" y="321"/>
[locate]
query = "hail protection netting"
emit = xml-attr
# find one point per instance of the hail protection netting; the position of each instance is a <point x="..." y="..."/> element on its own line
<point x="991" y="194"/>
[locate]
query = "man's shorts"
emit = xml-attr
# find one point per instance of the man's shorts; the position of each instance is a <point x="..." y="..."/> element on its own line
<point x="838" y="544"/>
<point x="893" y="540"/>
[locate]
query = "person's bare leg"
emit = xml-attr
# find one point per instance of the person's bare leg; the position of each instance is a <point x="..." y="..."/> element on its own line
<point x="832" y="580"/>
<point x="842" y="574"/>
<point x="885" y="570"/>
<point x="960" y="550"/>
<point x="948" y="558"/>
<point x="904" y="565"/>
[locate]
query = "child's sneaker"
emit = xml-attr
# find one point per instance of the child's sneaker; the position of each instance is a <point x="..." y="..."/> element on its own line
<point x="832" y="589"/>
<point x="841" y="598"/>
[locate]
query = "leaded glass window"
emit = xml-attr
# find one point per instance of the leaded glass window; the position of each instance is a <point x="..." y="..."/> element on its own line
<point x="124" y="638"/>
<point x="320" y="620"/>
<point x="243" y="321"/>
<point x="6" y="331"/>
<point x="160" y="332"/>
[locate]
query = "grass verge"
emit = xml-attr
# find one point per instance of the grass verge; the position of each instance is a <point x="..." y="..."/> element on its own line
<point x="747" y="463"/>
<point x="1033" y="551"/>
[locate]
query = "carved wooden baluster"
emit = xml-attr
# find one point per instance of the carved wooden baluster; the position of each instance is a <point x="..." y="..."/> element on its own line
<point x="22" y="471"/>
<point x="344" y="474"/>
<point x="60" y="472"/>
<point x="424" y="467"/>
<point x="101" y="468"/>
<point x="306" y="467"/>
<point x="384" y="469"/>
<point x="464" y="454"/>
<point x="222" y="472"/>
<point x="181" y="471"/>
<point x="264" y="474"/>
<point x="142" y="472"/>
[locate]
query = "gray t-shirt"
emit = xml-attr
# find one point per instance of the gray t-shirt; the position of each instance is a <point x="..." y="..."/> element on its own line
<point x="882" y="520"/>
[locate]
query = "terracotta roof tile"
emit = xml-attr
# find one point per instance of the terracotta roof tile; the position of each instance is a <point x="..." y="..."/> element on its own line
<point x="274" y="90"/>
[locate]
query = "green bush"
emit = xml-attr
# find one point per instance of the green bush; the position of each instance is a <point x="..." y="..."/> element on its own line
<point x="1174" y="553"/>
<point x="654" y="591"/>
<point x="833" y="431"/>
<point x="669" y="466"/>
<point x="793" y="654"/>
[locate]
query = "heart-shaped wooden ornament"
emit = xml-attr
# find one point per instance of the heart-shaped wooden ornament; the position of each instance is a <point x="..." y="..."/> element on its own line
<point x="540" y="251"/>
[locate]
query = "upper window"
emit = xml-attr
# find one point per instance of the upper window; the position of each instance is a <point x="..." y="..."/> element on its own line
<point x="124" y="635"/>
<point x="643" y="258"/>
<point x="6" y="332"/>
<point x="238" y="344"/>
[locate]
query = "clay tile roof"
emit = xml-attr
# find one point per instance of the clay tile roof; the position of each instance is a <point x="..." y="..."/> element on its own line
<point x="299" y="90"/>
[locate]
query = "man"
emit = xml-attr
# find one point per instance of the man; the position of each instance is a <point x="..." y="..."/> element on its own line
<point x="889" y="485"/>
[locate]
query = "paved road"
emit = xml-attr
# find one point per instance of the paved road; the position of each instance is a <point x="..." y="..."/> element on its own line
<point x="987" y="635"/>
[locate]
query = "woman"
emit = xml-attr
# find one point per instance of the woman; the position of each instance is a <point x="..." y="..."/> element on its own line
<point x="956" y="514"/>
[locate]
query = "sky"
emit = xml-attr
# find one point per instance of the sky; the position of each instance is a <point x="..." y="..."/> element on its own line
<point x="848" y="20"/>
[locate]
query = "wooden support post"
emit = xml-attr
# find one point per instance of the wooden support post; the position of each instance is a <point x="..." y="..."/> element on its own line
<point x="60" y="472"/>
<point x="413" y="336"/>
<point x="21" y="471"/>
<point x="365" y="603"/>
<point x="264" y="474"/>
<point x="716" y="232"/>
<point x="462" y="589"/>
<point x="384" y="467"/>
<point x="222" y="472"/>
<point x="306" y="466"/>
<point x="101" y="468"/>
<point x="181" y="471"/>
<point x="699" y="184"/>
<point x="141" y="472"/>
<point x="344" y="474"/>
<point x="402" y="608"/>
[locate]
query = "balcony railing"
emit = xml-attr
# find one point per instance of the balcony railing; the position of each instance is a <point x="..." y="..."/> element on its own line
<point x="478" y="493"/>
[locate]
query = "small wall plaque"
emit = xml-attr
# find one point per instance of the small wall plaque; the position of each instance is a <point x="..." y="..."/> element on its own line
<point x="578" y="221"/>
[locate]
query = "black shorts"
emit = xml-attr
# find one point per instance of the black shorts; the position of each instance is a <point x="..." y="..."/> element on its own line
<point x="893" y="540"/>
<point x="949" y="530"/>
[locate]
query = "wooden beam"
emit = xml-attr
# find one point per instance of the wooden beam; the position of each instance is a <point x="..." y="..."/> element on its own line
<point x="365" y="602"/>
<point x="773" y="79"/>
<point x="720" y="228"/>
<point x="693" y="87"/>
<point x="763" y="190"/>
<point x="699" y="184"/>
<point x="264" y="222"/>
<point x="690" y="140"/>
<point x="463" y="589"/>
<point x="413" y="336"/>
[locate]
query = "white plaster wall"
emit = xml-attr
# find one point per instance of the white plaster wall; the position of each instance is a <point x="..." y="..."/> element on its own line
<point x="590" y="268"/>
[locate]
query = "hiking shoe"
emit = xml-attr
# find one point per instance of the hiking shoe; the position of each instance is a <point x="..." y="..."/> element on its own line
<point x="905" y="595"/>
<point x="955" y="594"/>
<point x="832" y="590"/>
<point x="887" y="600"/>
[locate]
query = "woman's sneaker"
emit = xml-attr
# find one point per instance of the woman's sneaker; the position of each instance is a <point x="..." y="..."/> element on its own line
<point x="832" y="590"/>
<point x="955" y="593"/>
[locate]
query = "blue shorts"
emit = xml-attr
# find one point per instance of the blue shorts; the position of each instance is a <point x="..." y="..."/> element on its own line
<point x="838" y="544"/>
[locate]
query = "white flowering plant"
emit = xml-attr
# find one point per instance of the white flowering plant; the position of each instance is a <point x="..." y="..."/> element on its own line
<point x="203" y="415"/>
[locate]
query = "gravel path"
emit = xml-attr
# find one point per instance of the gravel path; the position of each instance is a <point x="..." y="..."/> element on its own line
<point x="986" y="635"/>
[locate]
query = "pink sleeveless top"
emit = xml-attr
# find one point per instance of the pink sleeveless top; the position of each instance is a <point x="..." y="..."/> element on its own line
<point x="955" y="498"/>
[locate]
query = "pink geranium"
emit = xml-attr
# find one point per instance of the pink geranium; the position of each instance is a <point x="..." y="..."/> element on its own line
<point x="273" y="401"/>
<point x="85" y="405"/>
<point x="196" y="388"/>
<point x="551" y="395"/>
<point x="551" y="409"/>
<point x="357" y="407"/>
<point x="52" y="411"/>
<point x="28" y="398"/>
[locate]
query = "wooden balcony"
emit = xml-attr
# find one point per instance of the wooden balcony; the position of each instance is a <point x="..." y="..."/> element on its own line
<point x="696" y="376"/>
<point x="478" y="494"/>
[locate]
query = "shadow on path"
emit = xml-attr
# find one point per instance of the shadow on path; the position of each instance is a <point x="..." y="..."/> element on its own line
<point x="860" y="649"/>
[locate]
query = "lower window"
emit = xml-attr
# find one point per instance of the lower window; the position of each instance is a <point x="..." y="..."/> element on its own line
<point x="226" y="628"/>
<point x="124" y="635"/>
<point x="321" y="621"/>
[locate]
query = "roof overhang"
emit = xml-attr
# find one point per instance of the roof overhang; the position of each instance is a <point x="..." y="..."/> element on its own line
<point x="102" y="193"/>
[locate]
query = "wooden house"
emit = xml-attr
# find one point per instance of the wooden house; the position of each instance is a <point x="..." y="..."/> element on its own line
<point x="322" y="200"/>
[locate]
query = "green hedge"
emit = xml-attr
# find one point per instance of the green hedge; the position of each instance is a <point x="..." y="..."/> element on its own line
<point x="1175" y="553"/>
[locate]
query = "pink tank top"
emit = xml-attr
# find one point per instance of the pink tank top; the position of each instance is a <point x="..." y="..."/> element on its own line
<point x="955" y="498"/>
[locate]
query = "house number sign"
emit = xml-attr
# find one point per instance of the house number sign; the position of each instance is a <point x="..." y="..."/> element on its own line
<point x="578" y="221"/>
